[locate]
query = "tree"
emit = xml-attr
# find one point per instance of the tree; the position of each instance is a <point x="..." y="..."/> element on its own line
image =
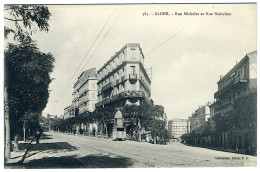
<point x="20" y="21"/>
<point x="137" y="115"/>
<point x="104" y="116"/>
<point x="28" y="78"/>
<point x="30" y="120"/>
<point x="24" y="18"/>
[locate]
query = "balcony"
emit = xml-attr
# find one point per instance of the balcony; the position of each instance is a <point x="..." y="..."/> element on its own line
<point x="237" y="82"/>
<point x="223" y="90"/>
<point x="120" y="96"/>
<point x="224" y="108"/>
<point x="107" y="87"/>
<point x="132" y="77"/>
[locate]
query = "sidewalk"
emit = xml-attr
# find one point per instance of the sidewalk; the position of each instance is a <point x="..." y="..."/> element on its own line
<point x="16" y="157"/>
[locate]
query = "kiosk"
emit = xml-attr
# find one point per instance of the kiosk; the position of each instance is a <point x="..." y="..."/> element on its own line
<point x="119" y="131"/>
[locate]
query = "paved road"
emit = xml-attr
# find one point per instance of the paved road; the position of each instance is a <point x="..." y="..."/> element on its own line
<point x="59" y="150"/>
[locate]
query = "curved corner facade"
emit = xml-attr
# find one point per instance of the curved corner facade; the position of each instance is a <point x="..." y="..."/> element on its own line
<point x="123" y="79"/>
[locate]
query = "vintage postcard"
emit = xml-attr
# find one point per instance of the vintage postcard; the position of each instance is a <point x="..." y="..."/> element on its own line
<point x="130" y="85"/>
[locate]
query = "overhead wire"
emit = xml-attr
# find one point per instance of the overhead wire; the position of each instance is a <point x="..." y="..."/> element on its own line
<point x="91" y="55"/>
<point x="85" y="56"/>
<point x="82" y="60"/>
<point x="96" y="49"/>
<point x="165" y="41"/>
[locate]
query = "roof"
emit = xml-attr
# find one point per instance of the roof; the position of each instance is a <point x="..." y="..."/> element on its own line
<point x="89" y="73"/>
<point x="248" y="55"/>
<point x="118" y="52"/>
<point x="85" y="75"/>
<point x="252" y="54"/>
<point x="178" y="120"/>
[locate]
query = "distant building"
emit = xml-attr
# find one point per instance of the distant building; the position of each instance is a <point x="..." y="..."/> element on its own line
<point x="123" y="79"/>
<point x="239" y="80"/>
<point x="177" y="127"/>
<point x="84" y="94"/>
<point x="69" y="112"/>
<point x="199" y="117"/>
<point x="85" y="91"/>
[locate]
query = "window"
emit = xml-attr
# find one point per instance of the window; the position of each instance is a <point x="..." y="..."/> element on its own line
<point x="93" y="95"/>
<point x="245" y="72"/>
<point x="132" y="70"/>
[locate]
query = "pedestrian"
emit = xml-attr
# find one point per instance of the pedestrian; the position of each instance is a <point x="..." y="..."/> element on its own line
<point x="38" y="135"/>
<point x="94" y="131"/>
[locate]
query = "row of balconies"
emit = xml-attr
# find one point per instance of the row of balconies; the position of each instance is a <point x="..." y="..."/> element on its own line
<point x="225" y="108"/>
<point x="146" y="87"/>
<point x="132" y="77"/>
<point x="229" y="87"/>
<point x="125" y="94"/>
<point x="109" y="69"/>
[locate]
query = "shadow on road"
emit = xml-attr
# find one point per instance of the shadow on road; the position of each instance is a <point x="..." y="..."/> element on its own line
<point x="90" y="161"/>
<point x="56" y="146"/>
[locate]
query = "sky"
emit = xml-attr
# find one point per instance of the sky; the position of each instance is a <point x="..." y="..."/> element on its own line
<point x="187" y="54"/>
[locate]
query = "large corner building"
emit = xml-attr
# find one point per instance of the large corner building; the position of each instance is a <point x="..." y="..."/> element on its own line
<point x="238" y="81"/>
<point x="123" y="79"/>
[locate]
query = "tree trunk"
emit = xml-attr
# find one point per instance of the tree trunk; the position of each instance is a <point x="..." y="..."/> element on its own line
<point x="24" y="131"/>
<point x="7" y="128"/>
<point x="154" y="140"/>
<point x="106" y="130"/>
<point x="140" y="135"/>
<point x="139" y="131"/>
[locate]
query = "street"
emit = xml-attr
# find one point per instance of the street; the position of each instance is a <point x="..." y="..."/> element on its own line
<point x="60" y="150"/>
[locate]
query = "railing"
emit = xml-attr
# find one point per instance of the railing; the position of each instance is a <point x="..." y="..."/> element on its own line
<point x="237" y="81"/>
<point x="120" y="96"/>
<point x="106" y="87"/>
<point x="226" y="107"/>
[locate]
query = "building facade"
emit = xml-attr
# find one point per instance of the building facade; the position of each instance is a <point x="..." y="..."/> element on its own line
<point x="69" y="112"/>
<point x="199" y="117"/>
<point x="85" y="91"/>
<point x="123" y="79"/>
<point x="177" y="127"/>
<point x="238" y="81"/>
<point x="84" y="94"/>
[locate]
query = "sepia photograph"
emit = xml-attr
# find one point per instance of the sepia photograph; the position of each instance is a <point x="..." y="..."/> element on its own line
<point x="153" y="85"/>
